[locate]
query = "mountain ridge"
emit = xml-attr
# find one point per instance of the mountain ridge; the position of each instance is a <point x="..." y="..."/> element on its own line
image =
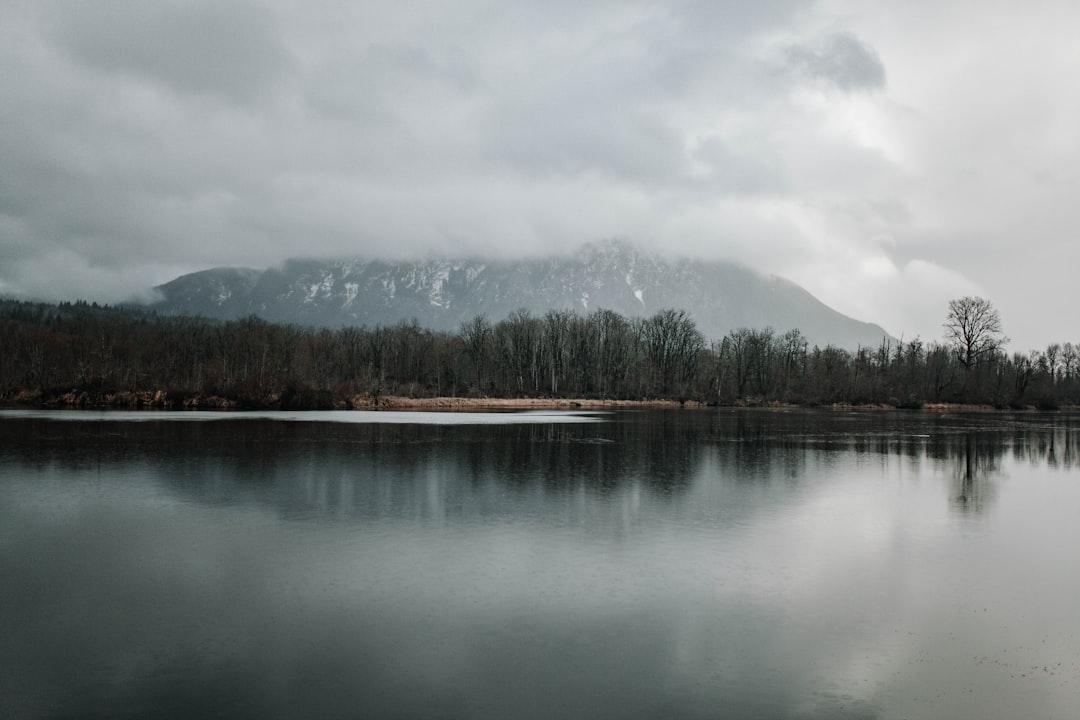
<point x="443" y="293"/>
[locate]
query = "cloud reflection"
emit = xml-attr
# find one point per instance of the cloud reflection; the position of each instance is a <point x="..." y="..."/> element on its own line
<point x="791" y="565"/>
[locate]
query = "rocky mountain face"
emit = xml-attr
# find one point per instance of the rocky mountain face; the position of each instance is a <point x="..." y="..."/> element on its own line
<point x="441" y="294"/>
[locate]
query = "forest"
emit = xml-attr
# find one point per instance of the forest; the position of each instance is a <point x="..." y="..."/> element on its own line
<point x="85" y="354"/>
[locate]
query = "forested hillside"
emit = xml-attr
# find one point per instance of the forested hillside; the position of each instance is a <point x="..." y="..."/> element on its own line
<point x="86" y="354"/>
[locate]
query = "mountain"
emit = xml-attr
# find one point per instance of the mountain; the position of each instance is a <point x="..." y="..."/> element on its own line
<point x="441" y="294"/>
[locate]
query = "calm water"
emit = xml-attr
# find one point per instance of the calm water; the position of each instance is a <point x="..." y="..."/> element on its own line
<point x="675" y="564"/>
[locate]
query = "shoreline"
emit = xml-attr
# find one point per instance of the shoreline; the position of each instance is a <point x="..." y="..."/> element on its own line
<point x="396" y="402"/>
<point x="161" y="400"/>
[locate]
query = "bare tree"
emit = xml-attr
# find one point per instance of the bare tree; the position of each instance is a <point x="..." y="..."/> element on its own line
<point x="476" y="334"/>
<point x="973" y="329"/>
<point x="737" y="352"/>
<point x="672" y="343"/>
<point x="1053" y="352"/>
<point x="517" y="339"/>
<point x="613" y="343"/>
<point x="1070" y="355"/>
<point x="556" y="336"/>
<point x="751" y="354"/>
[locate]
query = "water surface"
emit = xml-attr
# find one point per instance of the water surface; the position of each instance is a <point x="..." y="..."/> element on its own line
<point x="683" y="564"/>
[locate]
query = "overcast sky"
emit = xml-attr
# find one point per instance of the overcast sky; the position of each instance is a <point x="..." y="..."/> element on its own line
<point x="887" y="156"/>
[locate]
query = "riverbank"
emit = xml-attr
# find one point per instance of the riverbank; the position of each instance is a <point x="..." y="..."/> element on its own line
<point x="312" y="400"/>
<point x="457" y="403"/>
<point x="482" y="403"/>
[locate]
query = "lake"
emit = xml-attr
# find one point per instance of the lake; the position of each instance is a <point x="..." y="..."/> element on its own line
<point x="696" y="563"/>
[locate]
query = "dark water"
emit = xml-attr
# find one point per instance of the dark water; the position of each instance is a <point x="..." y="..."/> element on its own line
<point x="678" y="564"/>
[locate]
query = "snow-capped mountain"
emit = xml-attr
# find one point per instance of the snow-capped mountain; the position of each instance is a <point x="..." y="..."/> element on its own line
<point x="441" y="294"/>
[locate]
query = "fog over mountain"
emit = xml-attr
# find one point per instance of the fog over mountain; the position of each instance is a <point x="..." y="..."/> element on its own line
<point x="442" y="293"/>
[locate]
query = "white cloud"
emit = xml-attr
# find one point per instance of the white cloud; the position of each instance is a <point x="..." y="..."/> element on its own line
<point x="869" y="286"/>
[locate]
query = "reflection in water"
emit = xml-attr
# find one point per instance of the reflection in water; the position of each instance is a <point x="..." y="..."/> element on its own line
<point x="572" y="472"/>
<point x="976" y="469"/>
<point x="657" y="564"/>
<point x="377" y="469"/>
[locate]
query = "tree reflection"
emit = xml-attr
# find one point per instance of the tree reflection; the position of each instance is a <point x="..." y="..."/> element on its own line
<point x="977" y="465"/>
<point x="376" y="470"/>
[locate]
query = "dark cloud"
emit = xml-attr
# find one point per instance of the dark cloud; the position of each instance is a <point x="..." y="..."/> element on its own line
<point x="230" y="49"/>
<point x="727" y="21"/>
<point x="842" y="60"/>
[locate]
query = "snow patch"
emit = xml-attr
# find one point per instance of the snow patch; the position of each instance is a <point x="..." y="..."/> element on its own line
<point x="325" y="287"/>
<point x="438" y="280"/>
<point x="640" y="296"/>
<point x="351" y="291"/>
<point x="472" y="273"/>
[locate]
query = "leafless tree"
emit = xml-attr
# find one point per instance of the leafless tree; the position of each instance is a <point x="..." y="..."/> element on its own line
<point x="973" y="329"/>
<point x="556" y="336"/>
<point x="672" y="343"/>
<point x="476" y="334"/>
<point x="1052" y="354"/>
<point x="1069" y="360"/>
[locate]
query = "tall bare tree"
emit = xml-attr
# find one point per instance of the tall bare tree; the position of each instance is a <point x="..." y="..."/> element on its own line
<point x="672" y="343"/>
<point x="476" y="334"/>
<point x="973" y="329"/>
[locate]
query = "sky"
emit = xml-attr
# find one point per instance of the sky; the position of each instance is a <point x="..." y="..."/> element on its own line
<point x="887" y="156"/>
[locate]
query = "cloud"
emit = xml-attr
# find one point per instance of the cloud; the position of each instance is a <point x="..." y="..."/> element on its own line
<point x="868" y="285"/>
<point x="65" y="274"/>
<point x="741" y="169"/>
<point x="146" y="138"/>
<point x="229" y="50"/>
<point x="840" y="59"/>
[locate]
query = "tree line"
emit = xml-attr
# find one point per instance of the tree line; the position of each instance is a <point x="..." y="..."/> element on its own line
<point x="85" y="353"/>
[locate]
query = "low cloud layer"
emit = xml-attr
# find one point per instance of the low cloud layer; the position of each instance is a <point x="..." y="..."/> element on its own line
<point x="886" y="157"/>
